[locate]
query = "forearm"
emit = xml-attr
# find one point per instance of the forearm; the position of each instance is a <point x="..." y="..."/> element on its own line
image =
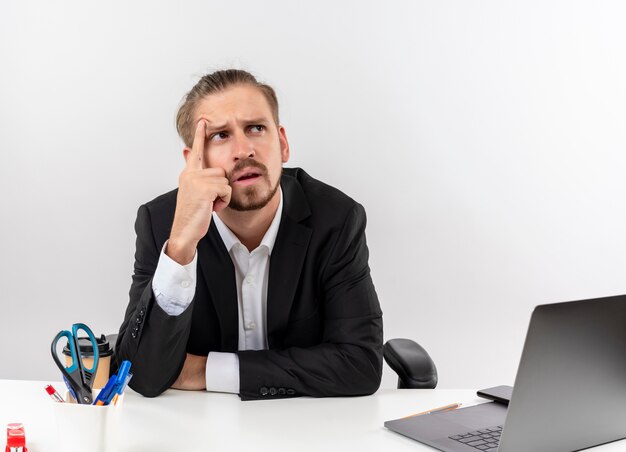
<point x="338" y="367"/>
<point x="156" y="349"/>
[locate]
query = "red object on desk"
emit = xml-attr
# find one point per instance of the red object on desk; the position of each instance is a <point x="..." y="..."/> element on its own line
<point x="16" y="438"/>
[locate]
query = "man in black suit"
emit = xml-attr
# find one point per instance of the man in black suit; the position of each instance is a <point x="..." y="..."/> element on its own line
<point x="249" y="278"/>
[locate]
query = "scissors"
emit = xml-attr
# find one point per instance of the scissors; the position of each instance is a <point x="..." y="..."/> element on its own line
<point x="79" y="379"/>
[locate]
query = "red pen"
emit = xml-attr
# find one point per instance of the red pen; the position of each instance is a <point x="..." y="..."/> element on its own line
<point x="54" y="395"/>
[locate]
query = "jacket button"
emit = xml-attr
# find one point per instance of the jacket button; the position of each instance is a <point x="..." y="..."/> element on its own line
<point x="263" y="391"/>
<point x="291" y="392"/>
<point x="134" y="335"/>
<point x="273" y="391"/>
<point x="142" y="312"/>
<point x="282" y="391"/>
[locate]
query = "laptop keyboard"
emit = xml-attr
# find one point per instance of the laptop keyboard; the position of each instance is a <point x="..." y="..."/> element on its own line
<point x="486" y="439"/>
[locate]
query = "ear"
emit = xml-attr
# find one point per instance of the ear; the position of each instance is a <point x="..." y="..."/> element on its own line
<point x="284" y="144"/>
<point x="186" y="153"/>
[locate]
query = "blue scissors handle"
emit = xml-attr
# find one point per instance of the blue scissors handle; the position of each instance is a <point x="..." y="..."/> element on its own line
<point x="94" y="344"/>
<point x="78" y="378"/>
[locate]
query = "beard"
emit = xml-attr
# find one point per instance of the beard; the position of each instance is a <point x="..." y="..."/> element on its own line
<point x="252" y="197"/>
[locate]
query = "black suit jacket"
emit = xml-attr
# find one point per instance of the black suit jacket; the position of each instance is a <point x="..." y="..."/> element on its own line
<point x="324" y="323"/>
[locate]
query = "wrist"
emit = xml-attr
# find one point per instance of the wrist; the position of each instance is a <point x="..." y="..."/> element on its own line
<point x="192" y="376"/>
<point x="180" y="251"/>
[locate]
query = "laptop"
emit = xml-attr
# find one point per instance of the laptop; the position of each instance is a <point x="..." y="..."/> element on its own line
<point x="569" y="393"/>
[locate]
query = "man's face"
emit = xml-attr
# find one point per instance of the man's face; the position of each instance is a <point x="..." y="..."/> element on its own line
<point x="243" y="139"/>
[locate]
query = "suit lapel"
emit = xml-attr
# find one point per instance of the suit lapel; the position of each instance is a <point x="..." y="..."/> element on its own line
<point x="219" y="275"/>
<point x="287" y="259"/>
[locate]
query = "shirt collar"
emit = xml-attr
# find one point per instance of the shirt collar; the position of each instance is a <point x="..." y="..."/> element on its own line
<point x="230" y="239"/>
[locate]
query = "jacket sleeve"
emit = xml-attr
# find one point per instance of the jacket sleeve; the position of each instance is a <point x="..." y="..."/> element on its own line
<point x="153" y="341"/>
<point x="348" y="361"/>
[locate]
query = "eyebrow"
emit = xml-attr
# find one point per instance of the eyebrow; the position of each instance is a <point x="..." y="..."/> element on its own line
<point x="212" y="127"/>
<point x="259" y="120"/>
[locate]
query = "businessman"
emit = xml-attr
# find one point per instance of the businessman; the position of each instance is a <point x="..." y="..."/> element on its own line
<point x="249" y="278"/>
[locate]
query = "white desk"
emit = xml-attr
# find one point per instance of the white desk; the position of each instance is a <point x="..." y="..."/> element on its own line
<point x="201" y="421"/>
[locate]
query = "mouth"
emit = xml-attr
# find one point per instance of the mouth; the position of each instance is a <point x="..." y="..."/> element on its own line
<point x="247" y="176"/>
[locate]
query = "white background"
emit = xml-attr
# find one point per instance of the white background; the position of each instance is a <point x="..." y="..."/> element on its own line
<point x="485" y="139"/>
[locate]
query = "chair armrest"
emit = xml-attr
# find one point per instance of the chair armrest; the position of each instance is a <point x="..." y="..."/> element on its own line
<point x="415" y="368"/>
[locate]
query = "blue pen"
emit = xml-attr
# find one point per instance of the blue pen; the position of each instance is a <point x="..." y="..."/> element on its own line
<point x="69" y="387"/>
<point x="128" y="377"/>
<point x="121" y="391"/>
<point x="122" y="374"/>
<point x="106" y="391"/>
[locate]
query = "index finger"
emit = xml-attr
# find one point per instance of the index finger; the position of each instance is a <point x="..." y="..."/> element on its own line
<point x="196" y="159"/>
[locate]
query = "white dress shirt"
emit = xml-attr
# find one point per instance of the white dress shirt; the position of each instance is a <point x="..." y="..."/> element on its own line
<point x="174" y="286"/>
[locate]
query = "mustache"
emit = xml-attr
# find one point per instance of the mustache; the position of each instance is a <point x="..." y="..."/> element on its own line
<point x="246" y="163"/>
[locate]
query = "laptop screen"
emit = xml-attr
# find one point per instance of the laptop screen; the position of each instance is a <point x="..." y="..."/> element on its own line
<point x="570" y="390"/>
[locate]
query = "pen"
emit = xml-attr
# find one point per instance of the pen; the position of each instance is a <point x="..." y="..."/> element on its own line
<point x="69" y="388"/>
<point x="121" y="390"/>
<point x="54" y="395"/>
<point x="115" y="385"/>
<point x="105" y="392"/>
<point x="452" y="406"/>
<point x="122" y="374"/>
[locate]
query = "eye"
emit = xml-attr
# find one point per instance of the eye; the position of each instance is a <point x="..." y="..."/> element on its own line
<point x="219" y="136"/>
<point x="257" y="128"/>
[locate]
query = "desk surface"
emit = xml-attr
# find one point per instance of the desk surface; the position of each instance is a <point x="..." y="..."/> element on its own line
<point x="221" y="422"/>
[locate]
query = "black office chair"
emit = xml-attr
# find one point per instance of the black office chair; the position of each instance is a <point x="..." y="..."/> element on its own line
<point x="414" y="366"/>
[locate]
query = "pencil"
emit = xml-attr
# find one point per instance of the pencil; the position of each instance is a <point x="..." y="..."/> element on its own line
<point x="452" y="406"/>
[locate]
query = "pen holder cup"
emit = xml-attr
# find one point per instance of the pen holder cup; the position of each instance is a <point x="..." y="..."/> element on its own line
<point x="87" y="427"/>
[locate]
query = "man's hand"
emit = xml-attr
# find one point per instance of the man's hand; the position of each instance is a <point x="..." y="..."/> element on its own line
<point x="200" y="192"/>
<point x="193" y="375"/>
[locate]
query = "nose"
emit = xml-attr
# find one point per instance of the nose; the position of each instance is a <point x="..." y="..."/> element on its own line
<point x="242" y="147"/>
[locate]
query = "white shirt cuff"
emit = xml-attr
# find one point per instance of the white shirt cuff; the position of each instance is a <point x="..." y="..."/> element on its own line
<point x="222" y="372"/>
<point x="174" y="285"/>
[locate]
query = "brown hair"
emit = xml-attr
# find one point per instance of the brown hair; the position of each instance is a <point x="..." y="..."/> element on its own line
<point x="213" y="83"/>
